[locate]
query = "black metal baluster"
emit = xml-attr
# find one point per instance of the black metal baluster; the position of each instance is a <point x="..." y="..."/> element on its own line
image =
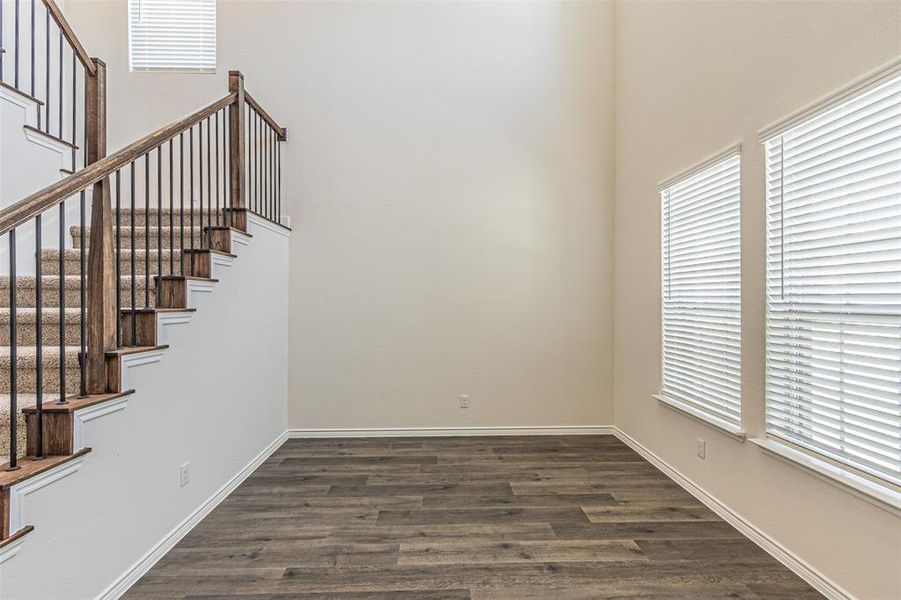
<point x="32" y="52"/>
<point x="159" y="210"/>
<point x="278" y="182"/>
<point x="146" y="230"/>
<point x="134" y="259"/>
<point x="209" y="171"/>
<point x="16" y="41"/>
<point x="200" y="177"/>
<point x="39" y="341"/>
<point x="271" y="174"/>
<point x="1" y="42"/>
<point x="62" y="302"/>
<point x="181" y="201"/>
<point x="256" y="163"/>
<point x="118" y="258"/>
<point x="59" y="107"/>
<point x="218" y="167"/>
<point x="13" y="367"/>
<point x="226" y="163"/>
<point x="249" y="181"/>
<point x="191" y="189"/>
<point x="74" y="102"/>
<point x="171" y="210"/>
<point x="82" y="289"/>
<point x="47" y="70"/>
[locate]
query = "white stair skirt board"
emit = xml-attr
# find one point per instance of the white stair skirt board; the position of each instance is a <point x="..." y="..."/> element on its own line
<point x="66" y="155"/>
<point x="24" y="102"/>
<point x="144" y="564"/>
<point x="449" y="431"/>
<point x="799" y="567"/>
<point x="258" y="221"/>
<point x="167" y="322"/>
<point x="19" y="492"/>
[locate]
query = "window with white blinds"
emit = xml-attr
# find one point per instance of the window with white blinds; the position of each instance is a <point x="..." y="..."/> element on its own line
<point x="701" y="260"/>
<point x="172" y="35"/>
<point x="833" y="338"/>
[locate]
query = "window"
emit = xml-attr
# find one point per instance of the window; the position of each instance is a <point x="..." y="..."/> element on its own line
<point x="833" y="333"/>
<point x="172" y="35"/>
<point x="701" y="259"/>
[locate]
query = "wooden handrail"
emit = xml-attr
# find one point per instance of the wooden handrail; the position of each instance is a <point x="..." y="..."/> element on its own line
<point x="50" y="196"/>
<point x="282" y="134"/>
<point x="70" y="36"/>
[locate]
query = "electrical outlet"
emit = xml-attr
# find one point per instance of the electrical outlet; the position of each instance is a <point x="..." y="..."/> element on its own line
<point x="184" y="474"/>
<point x="701" y="448"/>
<point x="464" y="401"/>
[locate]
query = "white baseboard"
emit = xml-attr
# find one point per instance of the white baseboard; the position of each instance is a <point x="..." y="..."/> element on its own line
<point x="137" y="570"/>
<point x="799" y="567"/>
<point x="449" y="431"/>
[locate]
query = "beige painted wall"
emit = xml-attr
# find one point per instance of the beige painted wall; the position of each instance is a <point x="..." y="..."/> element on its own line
<point x="449" y="170"/>
<point x="692" y="79"/>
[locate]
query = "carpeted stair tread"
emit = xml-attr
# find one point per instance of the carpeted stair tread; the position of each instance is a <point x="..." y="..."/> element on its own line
<point x="26" y="321"/>
<point x="157" y="236"/>
<point x="72" y="261"/>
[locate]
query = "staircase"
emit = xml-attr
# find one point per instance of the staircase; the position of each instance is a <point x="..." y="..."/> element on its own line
<point x="147" y="264"/>
<point x="93" y="264"/>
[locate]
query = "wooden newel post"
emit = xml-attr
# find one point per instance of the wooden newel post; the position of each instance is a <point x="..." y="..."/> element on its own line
<point x="101" y="311"/>
<point x="236" y="150"/>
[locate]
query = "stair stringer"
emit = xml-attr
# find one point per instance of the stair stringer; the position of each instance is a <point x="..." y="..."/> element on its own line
<point x="215" y="397"/>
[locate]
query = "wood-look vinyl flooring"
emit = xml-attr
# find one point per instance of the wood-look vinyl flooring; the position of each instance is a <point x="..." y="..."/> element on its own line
<point x="485" y="518"/>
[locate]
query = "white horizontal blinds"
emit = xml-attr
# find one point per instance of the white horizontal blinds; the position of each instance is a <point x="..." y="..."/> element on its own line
<point x="702" y="291"/>
<point x="834" y="282"/>
<point x="172" y="35"/>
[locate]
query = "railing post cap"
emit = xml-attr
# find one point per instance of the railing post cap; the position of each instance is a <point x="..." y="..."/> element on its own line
<point x="98" y="61"/>
<point x="236" y="74"/>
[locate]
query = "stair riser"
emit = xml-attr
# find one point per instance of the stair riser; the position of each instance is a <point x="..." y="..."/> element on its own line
<point x="26" y="381"/>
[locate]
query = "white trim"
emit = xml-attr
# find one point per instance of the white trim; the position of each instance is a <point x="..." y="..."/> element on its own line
<point x="825" y="103"/>
<point x="793" y="562"/>
<point x="86" y="415"/>
<point x="66" y="153"/>
<point x="167" y="320"/>
<point x="733" y="150"/>
<point x="22" y="101"/>
<point x="139" y="568"/>
<point x="195" y="286"/>
<point x="147" y="357"/>
<point x="699" y="415"/>
<point x="239" y="238"/>
<point x="449" y="431"/>
<point x="876" y="494"/>
<point x="267" y="225"/>
<point x="11" y="549"/>
<point x="18" y="492"/>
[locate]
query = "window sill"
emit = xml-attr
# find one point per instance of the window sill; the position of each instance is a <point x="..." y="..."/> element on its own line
<point x="877" y="494"/>
<point x="720" y="424"/>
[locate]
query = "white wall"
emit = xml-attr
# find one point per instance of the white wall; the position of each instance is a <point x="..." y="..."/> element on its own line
<point x="692" y="79"/>
<point x="216" y="399"/>
<point x="449" y="176"/>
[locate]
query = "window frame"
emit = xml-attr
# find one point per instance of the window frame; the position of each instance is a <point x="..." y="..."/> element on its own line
<point x="837" y="470"/>
<point x="733" y="429"/>
<point x="200" y="69"/>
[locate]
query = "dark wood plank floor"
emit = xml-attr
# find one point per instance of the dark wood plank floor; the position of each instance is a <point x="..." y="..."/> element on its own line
<point x="558" y="518"/>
